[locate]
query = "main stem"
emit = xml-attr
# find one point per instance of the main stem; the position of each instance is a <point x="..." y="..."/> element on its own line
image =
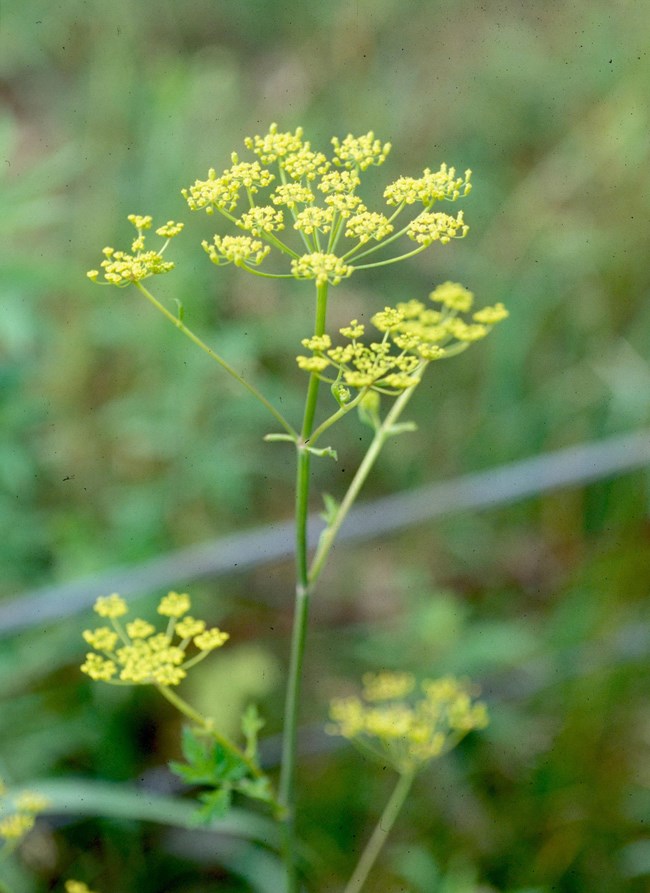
<point x="301" y="612"/>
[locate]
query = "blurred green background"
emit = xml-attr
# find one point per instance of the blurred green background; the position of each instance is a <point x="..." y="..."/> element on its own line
<point x="120" y="442"/>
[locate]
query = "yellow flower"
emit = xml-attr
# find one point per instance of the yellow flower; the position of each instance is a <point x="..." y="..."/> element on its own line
<point x="443" y="185"/>
<point x="31" y="801"/>
<point x="360" y="151"/>
<point x="102" y="639"/>
<point x="491" y="315"/>
<point x="110" y="606"/>
<point x="14" y="827"/>
<point x="454" y="296"/>
<point x="387" y="319"/>
<point x="147" y="657"/>
<point x="140" y="221"/>
<point x="188" y="627"/>
<point x="312" y="364"/>
<point x="169" y="229"/>
<point x="318" y="342"/>
<point x="237" y="250"/>
<point x="429" y="188"/>
<point x="339" y="182"/>
<point x="292" y="194"/>
<point x="305" y="163"/>
<point x="434" y="226"/>
<point x="98" y="668"/>
<point x="313" y="218"/>
<point x="354" y="330"/>
<point x="430" y="351"/>
<point x="72" y="886"/>
<point x="138" y="629"/>
<point x="344" y="203"/>
<point x="464" y="332"/>
<point x="273" y="145"/>
<point x="405" y="727"/>
<point x="260" y="220"/>
<point x="211" y="639"/>
<point x="174" y="604"/>
<point x="387" y="686"/>
<point x="368" y="225"/>
<point x="321" y="267"/>
<point x="121" y="268"/>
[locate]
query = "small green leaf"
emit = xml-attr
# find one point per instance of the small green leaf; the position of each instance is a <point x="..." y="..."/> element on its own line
<point x="227" y="766"/>
<point x="199" y="768"/>
<point x="215" y="805"/>
<point x="180" y="309"/>
<point x="326" y="451"/>
<point x="251" y="723"/>
<point x="192" y="746"/>
<point x="206" y="764"/>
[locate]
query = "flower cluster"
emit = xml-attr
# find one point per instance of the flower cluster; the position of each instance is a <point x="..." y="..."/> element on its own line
<point x="321" y="267"/>
<point x="121" y="268"/>
<point x="413" y="335"/>
<point x="76" y="887"/>
<point x="406" y="725"/>
<point x="316" y="197"/>
<point x="237" y="250"/>
<point x="136" y="653"/>
<point x="18" y="814"/>
<point x="430" y="227"/>
<point x="431" y="187"/>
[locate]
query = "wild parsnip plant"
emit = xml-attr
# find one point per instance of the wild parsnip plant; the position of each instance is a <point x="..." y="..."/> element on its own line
<point x="291" y="212"/>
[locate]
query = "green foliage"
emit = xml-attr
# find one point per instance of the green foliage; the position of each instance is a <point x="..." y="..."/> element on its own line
<point x="210" y="763"/>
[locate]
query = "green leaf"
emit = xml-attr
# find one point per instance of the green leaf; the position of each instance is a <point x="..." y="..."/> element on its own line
<point x="210" y="765"/>
<point x="200" y="766"/>
<point x="215" y="805"/>
<point x="325" y="451"/>
<point x="180" y="309"/>
<point x="227" y="766"/>
<point x="192" y="774"/>
<point x="192" y="746"/>
<point x="251" y="723"/>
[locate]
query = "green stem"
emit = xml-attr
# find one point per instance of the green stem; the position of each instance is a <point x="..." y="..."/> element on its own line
<point x="266" y="275"/>
<point x="215" y="356"/>
<point x="380" y="834"/>
<point x="287" y="775"/>
<point x="329" y="534"/>
<point x="391" y="260"/>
